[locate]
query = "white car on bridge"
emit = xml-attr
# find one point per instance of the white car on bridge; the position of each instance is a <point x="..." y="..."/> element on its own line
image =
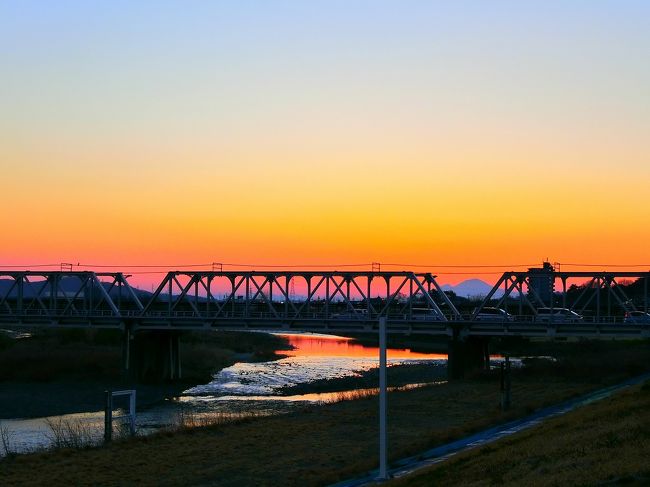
<point x="558" y="315"/>
<point x="637" y="317"/>
<point x="492" y="314"/>
<point x="425" y="314"/>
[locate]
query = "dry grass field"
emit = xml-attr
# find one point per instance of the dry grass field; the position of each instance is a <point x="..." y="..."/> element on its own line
<point x="606" y="443"/>
<point x="317" y="446"/>
<point x="331" y="442"/>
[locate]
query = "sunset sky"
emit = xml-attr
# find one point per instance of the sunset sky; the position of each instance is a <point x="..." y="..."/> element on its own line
<point x="324" y="132"/>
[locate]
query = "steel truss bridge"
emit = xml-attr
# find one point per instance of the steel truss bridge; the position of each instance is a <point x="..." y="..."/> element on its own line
<point x="329" y="302"/>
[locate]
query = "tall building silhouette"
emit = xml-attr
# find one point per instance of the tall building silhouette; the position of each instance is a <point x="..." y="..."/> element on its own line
<point x="542" y="283"/>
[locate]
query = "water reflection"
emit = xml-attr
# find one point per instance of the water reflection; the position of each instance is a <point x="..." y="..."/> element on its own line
<point x="245" y="388"/>
<point x="315" y="345"/>
<point x="314" y="357"/>
<point x="317" y="397"/>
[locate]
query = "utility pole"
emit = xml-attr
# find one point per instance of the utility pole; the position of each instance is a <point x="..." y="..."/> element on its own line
<point x="383" y="470"/>
<point x="505" y="384"/>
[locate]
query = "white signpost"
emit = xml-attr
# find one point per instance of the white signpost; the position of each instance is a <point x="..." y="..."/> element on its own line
<point x="108" y="413"/>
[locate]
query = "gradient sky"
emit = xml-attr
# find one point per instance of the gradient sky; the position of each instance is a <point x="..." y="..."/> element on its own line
<point x="324" y="132"/>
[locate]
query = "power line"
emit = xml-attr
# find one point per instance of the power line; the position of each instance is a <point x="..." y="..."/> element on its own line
<point x="210" y="264"/>
<point x="313" y="266"/>
<point x="16" y="266"/>
<point x="139" y="273"/>
<point x="483" y="273"/>
<point x="605" y="265"/>
<point x="143" y="266"/>
<point x="295" y="266"/>
<point x="461" y="266"/>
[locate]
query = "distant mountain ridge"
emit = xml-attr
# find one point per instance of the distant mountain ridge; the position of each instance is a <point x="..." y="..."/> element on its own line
<point x="68" y="285"/>
<point x="472" y="287"/>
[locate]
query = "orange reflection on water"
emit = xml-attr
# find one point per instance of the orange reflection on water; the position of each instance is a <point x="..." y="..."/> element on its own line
<point x="334" y="346"/>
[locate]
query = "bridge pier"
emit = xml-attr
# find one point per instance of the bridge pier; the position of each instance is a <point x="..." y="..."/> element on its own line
<point x="152" y="356"/>
<point x="467" y="355"/>
<point x="127" y="337"/>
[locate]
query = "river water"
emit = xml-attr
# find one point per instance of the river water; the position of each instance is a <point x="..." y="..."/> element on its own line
<point x="240" y="390"/>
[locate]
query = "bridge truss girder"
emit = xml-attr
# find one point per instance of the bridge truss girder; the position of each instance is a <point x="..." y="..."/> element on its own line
<point x="599" y="285"/>
<point x="45" y="294"/>
<point x="39" y="297"/>
<point x="328" y="291"/>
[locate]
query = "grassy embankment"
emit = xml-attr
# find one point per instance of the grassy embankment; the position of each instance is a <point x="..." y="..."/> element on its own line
<point x="64" y="371"/>
<point x="324" y="444"/>
<point x="606" y="443"/>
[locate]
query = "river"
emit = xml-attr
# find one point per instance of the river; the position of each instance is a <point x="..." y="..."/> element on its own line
<point x="243" y="389"/>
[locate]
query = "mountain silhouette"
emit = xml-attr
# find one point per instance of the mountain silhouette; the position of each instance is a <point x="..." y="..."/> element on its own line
<point x="472" y="287"/>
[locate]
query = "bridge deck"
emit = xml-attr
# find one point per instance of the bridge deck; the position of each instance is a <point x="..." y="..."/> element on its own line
<point x="182" y="322"/>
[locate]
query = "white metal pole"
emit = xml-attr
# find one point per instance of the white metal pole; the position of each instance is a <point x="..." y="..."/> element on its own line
<point x="383" y="471"/>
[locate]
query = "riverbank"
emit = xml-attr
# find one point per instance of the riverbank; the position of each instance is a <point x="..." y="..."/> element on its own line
<point x="324" y="444"/>
<point x="606" y="443"/>
<point x="67" y="371"/>
<point x="396" y="375"/>
<point x="316" y="446"/>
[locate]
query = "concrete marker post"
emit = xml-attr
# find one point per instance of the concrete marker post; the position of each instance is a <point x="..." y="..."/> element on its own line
<point x="502" y="368"/>
<point x="507" y="383"/>
<point x="108" y="417"/>
<point x="132" y="413"/>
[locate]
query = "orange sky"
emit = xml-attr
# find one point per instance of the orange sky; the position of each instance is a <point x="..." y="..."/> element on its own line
<point x="455" y="140"/>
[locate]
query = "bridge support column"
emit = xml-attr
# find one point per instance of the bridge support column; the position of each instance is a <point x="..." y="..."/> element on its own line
<point x="127" y="337"/>
<point x="154" y="356"/>
<point x="467" y="355"/>
<point x="175" y="356"/>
